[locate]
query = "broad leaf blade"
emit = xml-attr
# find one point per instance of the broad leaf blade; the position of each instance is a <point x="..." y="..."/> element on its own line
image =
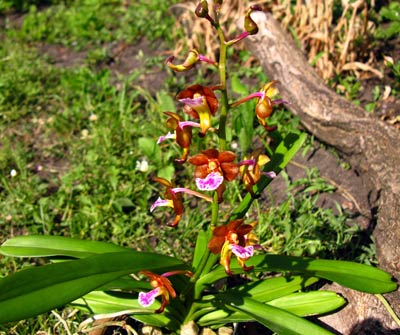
<point x="309" y="303"/>
<point x="201" y="246"/>
<point x="276" y="319"/>
<point x="48" y="246"/>
<point x="36" y="290"/>
<point x="98" y="302"/>
<point x="357" y="276"/>
<point x="273" y="288"/>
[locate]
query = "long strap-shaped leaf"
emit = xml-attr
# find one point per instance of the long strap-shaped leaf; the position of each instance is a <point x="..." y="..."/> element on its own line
<point x="276" y="319"/>
<point x="350" y="274"/>
<point x="48" y="246"/>
<point x="36" y="290"/>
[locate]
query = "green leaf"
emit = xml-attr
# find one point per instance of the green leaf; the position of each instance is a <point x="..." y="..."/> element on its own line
<point x="36" y="290"/>
<point x="309" y="303"/>
<point x="300" y="304"/>
<point x="200" y="248"/>
<point x="149" y="147"/>
<point x="392" y="12"/>
<point x="238" y="87"/>
<point x="113" y="302"/>
<point x="361" y="277"/>
<point x="276" y="319"/>
<point x="357" y="276"/>
<point x="272" y="288"/>
<point x="166" y="102"/>
<point x="47" y="246"/>
<point x="283" y="154"/>
<point x="166" y="172"/>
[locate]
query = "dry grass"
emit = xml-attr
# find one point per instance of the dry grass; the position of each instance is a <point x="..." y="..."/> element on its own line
<point x="333" y="44"/>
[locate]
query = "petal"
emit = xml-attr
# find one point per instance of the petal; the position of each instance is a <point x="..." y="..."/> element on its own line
<point x="234" y="225"/>
<point x="201" y="171"/>
<point x="166" y="137"/>
<point x="242" y="252"/>
<point x="231" y="170"/>
<point x="211" y="153"/>
<point x="147" y="299"/>
<point x="215" y="244"/>
<point x="226" y="156"/>
<point x="270" y="174"/>
<point x="198" y="159"/>
<point x="196" y="102"/>
<point x="210" y="183"/>
<point x="183" y="124"/>
<point x="161" y="202"/>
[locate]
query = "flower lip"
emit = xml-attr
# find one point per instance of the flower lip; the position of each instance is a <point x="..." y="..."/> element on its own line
<point x="147" y="299"/>
<point x="193" y="102"/>
<point x="210" y="183"/>
<point x="242" y="252"/>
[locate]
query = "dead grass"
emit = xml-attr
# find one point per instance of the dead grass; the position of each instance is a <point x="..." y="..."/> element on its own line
<point x="333" y="44"/>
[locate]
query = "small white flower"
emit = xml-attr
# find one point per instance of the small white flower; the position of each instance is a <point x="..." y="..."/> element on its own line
<point x="93" y="117"/>
<point x="84" y="134"/>
<point x="142" y="166"/>
<point x="13" y="173"/>
<point x="234" y="145"/>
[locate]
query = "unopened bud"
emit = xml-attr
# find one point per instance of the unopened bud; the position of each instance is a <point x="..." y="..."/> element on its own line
<point x="249" y="25"/>
<point x="190" y="61"/>
<point x="202" y="9"/>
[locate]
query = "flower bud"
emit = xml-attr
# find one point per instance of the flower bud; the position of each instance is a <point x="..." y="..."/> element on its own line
<point x="249" y="25"/>
<point x="202" y="9"/>
<point x="190" y="61"/>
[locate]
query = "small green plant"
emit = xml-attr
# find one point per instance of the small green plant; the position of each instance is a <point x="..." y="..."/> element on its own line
<point x="391" y="14"/>
<point x="105" y="278"/>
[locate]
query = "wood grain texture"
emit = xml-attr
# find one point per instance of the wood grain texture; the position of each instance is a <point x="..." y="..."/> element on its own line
<point x="371" y="146"/>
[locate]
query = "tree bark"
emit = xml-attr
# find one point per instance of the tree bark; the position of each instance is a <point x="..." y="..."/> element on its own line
<point x="371" y="146"/>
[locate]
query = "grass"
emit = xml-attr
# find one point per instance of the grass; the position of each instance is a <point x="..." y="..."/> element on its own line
<point x="72" y="141"/>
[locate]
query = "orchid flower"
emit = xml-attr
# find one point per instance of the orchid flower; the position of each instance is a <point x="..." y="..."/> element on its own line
<point x="234" y="238"/>
<point x="212" y="168"/>
<point x="162" y="287"/>
<point x="182" y="133"/>
<point x="264" y="103"/>
<point x="250" y="170"/>
<point x="173" y="199"/>
<point x="200" y="103"/>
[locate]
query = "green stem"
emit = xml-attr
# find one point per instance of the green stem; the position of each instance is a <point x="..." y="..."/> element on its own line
<point x="224" y="95"/>
<point x="388" y="308"/>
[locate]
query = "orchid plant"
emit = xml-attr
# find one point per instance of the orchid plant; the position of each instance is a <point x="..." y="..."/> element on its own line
<point x="163" y="291"/>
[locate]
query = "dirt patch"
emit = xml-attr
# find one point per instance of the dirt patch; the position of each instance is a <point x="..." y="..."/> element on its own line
<point x="61" y="56"/>
<point x="350" y="192"/>
<point x="125" y="58"/>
